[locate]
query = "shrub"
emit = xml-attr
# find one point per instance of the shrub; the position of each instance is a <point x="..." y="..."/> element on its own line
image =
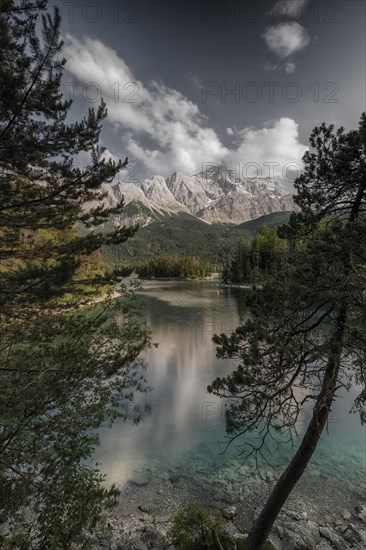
<point x="196" y="527"/>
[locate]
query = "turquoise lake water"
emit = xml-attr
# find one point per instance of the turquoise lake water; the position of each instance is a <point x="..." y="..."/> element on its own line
<point x="185" y="429"/>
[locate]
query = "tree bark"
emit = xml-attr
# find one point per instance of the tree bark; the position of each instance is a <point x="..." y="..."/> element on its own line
<point x="263" y="525"/>
<point x="216" y="540"/>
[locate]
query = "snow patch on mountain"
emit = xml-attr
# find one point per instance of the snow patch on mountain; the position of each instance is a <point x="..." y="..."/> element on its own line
<point x="215" y="195"/>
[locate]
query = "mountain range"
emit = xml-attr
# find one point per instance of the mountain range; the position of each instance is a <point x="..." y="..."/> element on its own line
<point x="216" y="195"/>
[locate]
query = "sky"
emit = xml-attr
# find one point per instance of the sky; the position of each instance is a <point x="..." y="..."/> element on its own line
<point x="193" y="83"/>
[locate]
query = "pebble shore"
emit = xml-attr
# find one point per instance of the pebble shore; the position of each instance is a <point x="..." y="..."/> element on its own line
<point x="317" y="516"/>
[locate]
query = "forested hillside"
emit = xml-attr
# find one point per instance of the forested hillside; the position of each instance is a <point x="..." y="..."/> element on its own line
<point x="184" y="235"/>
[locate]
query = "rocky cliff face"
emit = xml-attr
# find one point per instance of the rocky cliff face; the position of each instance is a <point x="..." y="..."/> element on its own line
<point x="216" y="195"/>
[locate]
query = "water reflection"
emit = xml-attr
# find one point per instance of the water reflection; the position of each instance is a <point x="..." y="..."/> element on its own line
<point x="185" y="421"/>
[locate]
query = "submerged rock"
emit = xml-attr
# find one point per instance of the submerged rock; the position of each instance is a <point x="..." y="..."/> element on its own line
<point x="229" y="512"/>
<point x="140" y="479"/>
<point x="175" y="477"/>
<point x="231" y="497"/>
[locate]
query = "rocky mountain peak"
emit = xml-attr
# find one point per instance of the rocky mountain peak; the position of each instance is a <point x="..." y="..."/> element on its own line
<point x="216" y="194"/>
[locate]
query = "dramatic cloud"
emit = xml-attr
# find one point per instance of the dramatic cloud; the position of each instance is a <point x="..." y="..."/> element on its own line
<point x="269" y="151"/>
<point x="161" y="129"/>
<point x="286" y="39"/>
<point x="156" y="111"/>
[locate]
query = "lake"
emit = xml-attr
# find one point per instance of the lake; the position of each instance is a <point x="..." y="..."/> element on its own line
<point x="185" y="430"/>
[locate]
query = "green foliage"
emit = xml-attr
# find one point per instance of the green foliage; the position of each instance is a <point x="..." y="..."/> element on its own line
<point x="42" y="189"/>
<point x="196" y="527"/>
<point x="257" y="260"/>
<point x="170" y="266"/>
<point x="62" y="377"/>
<point x="64" y="369"/>
<point x="306" y="337"/>
<point x="293" y="315"/>
<point x="184" y="235"/>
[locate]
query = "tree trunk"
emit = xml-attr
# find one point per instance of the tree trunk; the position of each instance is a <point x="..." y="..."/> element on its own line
<point x="262" y="527"/>
<point x="216" y="540"/>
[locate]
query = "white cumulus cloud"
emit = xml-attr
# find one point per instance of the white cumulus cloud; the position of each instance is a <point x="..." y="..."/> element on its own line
<point x="177" y="133"/>
<point x="160" y="113"/>
<point x="286" y="39"/>
<point x="274" y="149"/>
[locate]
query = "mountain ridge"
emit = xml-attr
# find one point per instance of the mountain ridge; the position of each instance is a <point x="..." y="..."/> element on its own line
<point x="216" y="195"/>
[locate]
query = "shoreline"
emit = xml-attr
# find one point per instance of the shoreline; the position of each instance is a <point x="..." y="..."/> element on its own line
<point x="143" y="516"/>
<point x="153" y="491"/>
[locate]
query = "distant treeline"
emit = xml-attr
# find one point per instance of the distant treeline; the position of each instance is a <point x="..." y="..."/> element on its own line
<point x="169" y="266"/>
<point x="255" y="260"/>
<point x="251" y="261"/>
<point x="184" y="235"/>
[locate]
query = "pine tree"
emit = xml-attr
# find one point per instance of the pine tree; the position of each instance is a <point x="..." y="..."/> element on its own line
<point x="41" y="186"/>
<point x="306" y="331"/>
<point x="63" y="370"/>
<point x="226" y="274"/>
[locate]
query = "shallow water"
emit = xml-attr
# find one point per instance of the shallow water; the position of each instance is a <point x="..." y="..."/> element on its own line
<point x="185" y="430"/>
